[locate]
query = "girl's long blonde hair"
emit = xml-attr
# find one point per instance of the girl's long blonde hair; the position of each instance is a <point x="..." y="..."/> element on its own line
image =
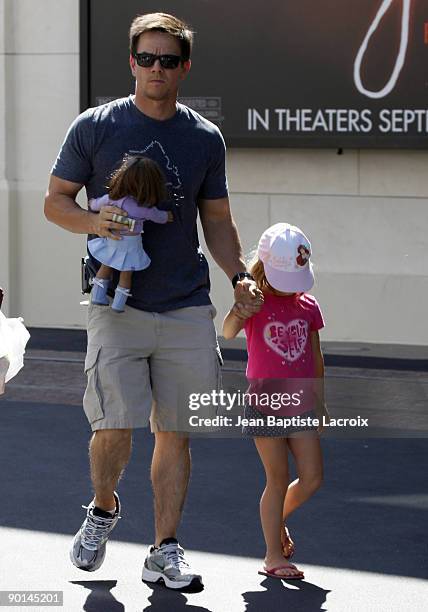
<point x="257" y="271"/>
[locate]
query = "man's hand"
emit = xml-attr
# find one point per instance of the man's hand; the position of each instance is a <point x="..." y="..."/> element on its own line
<point x="170" y="216"/>
<point x="103" y="224"/>
<point x="248" y="299"/>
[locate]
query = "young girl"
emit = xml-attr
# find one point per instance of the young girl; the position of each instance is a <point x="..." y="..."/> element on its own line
<point x="283" y="345"/>
<point x="135" y="187"/>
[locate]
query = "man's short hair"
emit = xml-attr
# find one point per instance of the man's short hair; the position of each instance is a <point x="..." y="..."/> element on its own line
<point x="161" y="22"/>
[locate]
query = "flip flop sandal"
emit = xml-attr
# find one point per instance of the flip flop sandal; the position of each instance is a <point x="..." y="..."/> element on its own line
<point x="288" y="548"/>
<point x="271" y="573"/>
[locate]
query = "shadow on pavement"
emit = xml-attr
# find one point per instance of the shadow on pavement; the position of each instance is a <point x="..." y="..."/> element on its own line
<point x="163" y="599"/>
<point x="44" y="458"/>
<point x="100" y="598"/>
<point x="277" y="596"/>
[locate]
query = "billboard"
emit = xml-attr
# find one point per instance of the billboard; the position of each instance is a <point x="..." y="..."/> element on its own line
<point x="283" y="73"/>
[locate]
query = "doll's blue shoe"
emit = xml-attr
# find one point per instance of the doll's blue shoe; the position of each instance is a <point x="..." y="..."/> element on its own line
<point x="99" y="292"/>
<point x="120" y="296"/>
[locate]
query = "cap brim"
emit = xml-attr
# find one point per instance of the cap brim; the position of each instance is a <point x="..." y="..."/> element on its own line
<point x="290" y="282"/>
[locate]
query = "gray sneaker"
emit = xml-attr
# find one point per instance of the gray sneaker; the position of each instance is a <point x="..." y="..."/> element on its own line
<point x="89" y="545"/>
<point x="167" y="563"/>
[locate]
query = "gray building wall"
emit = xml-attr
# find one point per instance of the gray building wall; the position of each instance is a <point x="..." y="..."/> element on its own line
<point x="364" y="211"/>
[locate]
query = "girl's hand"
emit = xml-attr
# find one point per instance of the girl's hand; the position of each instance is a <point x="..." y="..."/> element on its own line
<point x="323" y="416"/>
<point x="249" y="297"/>
<point x="240" y="311"/>
<point x="103" y="224"/>
<point x="170" y="216"/>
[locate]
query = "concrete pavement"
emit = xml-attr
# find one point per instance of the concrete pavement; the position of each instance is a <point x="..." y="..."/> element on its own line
<point x="361" y="540"/>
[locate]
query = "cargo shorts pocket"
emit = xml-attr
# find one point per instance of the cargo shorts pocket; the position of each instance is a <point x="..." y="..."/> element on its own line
<point x="93" y="400"/>
<point x="219" y="363"/>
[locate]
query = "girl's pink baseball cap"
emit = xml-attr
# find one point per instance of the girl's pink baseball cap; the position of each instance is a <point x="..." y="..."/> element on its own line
<point x="285" y="252"/>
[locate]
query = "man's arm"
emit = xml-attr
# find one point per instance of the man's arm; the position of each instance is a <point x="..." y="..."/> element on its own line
<point x="62" y="209"/>
<point x="221" y="235"/>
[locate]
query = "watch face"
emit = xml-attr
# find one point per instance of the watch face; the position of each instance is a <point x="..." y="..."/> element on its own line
<point x="239" y="276"/>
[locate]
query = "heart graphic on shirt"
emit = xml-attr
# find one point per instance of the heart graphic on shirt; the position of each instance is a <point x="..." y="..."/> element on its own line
<point x="288" y="340"/>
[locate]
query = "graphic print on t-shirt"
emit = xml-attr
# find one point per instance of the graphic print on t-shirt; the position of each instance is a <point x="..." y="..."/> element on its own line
<point x="157" y="153"/>
<point x="288" y="340"/>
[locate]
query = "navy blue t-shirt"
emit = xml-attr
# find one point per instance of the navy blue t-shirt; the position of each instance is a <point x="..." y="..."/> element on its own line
<point x="191" y="152"/>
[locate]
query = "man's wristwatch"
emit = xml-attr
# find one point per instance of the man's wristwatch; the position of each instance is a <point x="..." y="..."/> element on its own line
<point x="239" y="276"/>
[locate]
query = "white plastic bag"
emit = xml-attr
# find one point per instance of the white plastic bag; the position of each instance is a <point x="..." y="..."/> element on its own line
<point x="13" y="339"/>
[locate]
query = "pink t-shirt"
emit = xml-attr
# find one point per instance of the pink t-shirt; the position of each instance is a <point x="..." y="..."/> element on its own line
<point x="279" y="343"/>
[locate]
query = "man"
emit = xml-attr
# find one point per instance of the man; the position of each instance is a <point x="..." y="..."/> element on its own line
<point x="144" y="360"/>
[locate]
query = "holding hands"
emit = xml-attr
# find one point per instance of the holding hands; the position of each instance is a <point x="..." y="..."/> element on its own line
<point x="248" y="299"/>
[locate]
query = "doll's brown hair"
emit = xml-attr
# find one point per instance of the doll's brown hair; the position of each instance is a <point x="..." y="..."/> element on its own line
<point x="139" y="177"/>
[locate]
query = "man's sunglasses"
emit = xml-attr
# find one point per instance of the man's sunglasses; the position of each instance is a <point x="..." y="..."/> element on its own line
<point x="147" y="60"/>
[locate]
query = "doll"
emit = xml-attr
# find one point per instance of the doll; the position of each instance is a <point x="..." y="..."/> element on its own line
<point x="135" y="187"/>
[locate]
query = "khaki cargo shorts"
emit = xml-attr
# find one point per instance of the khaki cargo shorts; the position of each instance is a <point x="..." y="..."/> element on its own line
<point x="143" y="366"/>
